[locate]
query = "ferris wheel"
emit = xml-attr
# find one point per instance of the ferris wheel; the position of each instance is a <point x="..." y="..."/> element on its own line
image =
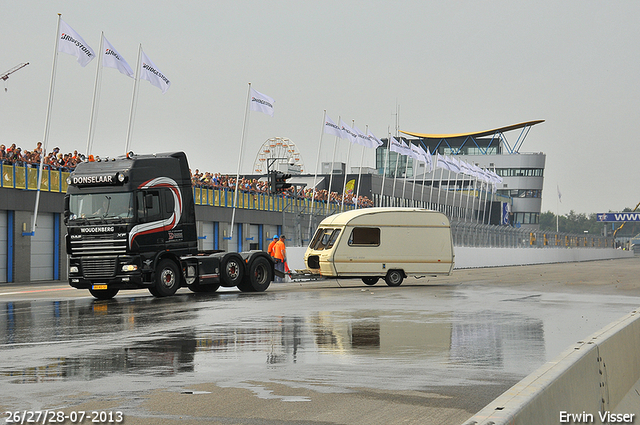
<point x="277" y="147"/>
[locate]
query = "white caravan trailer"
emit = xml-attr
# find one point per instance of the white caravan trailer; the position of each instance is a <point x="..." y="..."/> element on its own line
<point x="389" y="243"/>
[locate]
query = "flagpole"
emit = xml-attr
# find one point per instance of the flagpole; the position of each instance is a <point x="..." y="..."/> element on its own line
<point x="424" y="177"/>
<point x="469" y="196"/>
<point x="396" y="173"/>
<point x="473" y="198"/>
<point x="404" y="183"/>
<point x="244" y="128"/>
<point x="462" y="212"/>
<point x="446" y="195"/>
<point x="490" y="205"/>
<point x="484" y="207"/>
<point x="346" y="169"/>
<point x="440" y="206"/>
<point x="366" y="130"/>
<point x="315" y="177"/>
<point x="384" y="168"/>
<point x="96" y="95"/>
<point x="395" y="176"/>
<point x="558" y="209"/>
<point x="47" y="124"/>
<point x="413" y="189"/>
<point x="134" y="99"/>
<point x="455" y="189"/>
<point x="433" y="176"/>
<point x="333" y="159"/>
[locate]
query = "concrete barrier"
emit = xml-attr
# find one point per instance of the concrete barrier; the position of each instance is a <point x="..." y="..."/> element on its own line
<point x="468" y="257"/>
<point x="471" y="257"/>
<point x="593" y="378"/>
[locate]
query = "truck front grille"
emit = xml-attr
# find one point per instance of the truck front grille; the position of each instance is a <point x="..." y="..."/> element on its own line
<point x="98" y="246"/>
<point x="99" y="267"/>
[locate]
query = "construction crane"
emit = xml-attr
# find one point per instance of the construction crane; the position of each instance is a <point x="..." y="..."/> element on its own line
<point x="622" y="225"/>
<point x="5" y="76"/>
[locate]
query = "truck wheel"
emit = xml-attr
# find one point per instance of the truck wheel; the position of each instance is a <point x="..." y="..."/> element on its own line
<point x="167" y="279"/>
<point x="231" y="271"/>
<point x="245" y="285"/>
<point x="370" y="280"/>
<point x="104" y="294"/>
<point x="260" y="274"/>
<point x="394" y="278"/>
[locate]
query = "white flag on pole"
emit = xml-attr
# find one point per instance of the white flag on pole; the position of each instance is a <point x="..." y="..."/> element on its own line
<point x="70" y="42"/>
<point x="331" y="127"/>
<point x="441" y="162"/>
<point x="416" y="153"/>
<point x="261" y="102"/>
<point x="395" y="146"/>
<point x="348" y="132"/>
<point x="559" y="194"/>
<point x="112" y="59"/>
<point x="455" y="165"/>
<point x="405" y="147"/>
<point x="426" y="156"/>
<point x="363" y="140"/>
<point x="150" y="72"/>
<point x="375" y="142"/>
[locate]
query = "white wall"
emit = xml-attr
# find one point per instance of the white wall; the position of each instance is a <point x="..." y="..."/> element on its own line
<point x="468" y="257"/>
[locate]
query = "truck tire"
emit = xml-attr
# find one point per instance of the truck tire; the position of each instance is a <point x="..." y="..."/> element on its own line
<point x="104" y="294"/>
<point x="198" y="288"/>
<point x="231" y="270"/>
<point x="167" y="279"/>
<point x="370" y="280"/>
<point x="260" y="275"/>
<point x="394" y="277"/>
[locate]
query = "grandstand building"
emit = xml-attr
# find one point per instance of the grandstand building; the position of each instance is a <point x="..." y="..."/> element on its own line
<point x="522" y="173"/>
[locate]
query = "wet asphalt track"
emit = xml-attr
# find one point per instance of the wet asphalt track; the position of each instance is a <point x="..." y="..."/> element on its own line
<point x="430" y="351"/>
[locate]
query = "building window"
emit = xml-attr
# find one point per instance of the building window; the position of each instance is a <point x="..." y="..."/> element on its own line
<point x="526" y="218"/>
<point x="521" y="193"/>
<point x="520" y="172"/>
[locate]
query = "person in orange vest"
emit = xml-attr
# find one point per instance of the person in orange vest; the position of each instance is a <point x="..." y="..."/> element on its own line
<point x="272" y="244"/>
<point x="280" y="255"/>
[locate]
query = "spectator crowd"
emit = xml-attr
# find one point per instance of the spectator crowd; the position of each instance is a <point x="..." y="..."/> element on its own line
<point x="220" y="181"/>
<point x="55" y="160"/>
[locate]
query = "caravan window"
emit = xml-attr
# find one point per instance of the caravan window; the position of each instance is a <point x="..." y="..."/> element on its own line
<point x="324" y="239"/>
<point x="365" y="236"/>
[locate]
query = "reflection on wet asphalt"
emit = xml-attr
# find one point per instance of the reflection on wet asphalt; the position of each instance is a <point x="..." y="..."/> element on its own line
<point x="326" y="340"/>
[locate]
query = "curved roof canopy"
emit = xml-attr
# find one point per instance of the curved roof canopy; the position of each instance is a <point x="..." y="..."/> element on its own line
<point x="475" y="134"/>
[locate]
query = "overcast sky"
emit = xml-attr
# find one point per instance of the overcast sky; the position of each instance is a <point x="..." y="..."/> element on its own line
<point x="448" y="66"/>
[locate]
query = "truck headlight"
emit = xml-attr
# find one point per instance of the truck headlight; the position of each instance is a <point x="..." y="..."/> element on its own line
<point x="129" y="268"/>
<point x="73" y="269"/>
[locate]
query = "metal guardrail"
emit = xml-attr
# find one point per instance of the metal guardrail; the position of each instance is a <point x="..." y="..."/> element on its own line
<point x="264" y="201"/>
<point x="485" y="235"/>
<point x="20" y="177"/>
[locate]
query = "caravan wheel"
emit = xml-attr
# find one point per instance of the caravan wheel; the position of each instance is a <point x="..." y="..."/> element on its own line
<point x="370" y="280"/>
<point x="394" y="277"/>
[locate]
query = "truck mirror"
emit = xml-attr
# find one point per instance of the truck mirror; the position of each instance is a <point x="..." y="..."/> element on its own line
<point x="67" y="213"/>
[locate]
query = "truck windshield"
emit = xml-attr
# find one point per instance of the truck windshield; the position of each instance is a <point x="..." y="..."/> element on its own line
<point x="101" y="205"/>
<point x="324" y="239"/>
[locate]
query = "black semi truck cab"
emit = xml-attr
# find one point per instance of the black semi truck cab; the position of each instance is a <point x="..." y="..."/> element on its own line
<point x="131" y="224"/>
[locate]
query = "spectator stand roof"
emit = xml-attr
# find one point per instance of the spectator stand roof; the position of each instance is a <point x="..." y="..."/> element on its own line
<point x="457" y="141"/>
